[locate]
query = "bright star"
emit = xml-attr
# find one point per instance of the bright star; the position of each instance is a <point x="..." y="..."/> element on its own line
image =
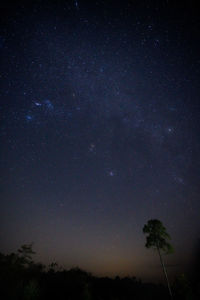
<point x="37" y="103"/>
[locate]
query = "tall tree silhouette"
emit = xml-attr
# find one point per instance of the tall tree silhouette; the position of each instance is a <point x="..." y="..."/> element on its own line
<point x="157" y="237"/>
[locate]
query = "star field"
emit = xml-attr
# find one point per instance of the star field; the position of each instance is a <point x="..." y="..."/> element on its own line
<point x="100" y="131"/>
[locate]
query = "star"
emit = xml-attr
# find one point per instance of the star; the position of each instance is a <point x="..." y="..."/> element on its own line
<point x="92" y="147"/>
<point x="111" y="173"/>
<point x="169" y="130"/>
<point x="178" y="179"/>
<point x="37" y="104"/>
<point x="29" y="118"/>
<point x="49" y="105"/>
<point x="76" y="4"/>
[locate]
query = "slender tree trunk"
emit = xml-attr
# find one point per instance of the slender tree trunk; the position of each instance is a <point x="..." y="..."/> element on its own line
<point x="165" y="272"/>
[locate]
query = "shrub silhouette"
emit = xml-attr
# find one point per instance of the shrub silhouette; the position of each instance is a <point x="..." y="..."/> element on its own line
<point x="23" y="279"/>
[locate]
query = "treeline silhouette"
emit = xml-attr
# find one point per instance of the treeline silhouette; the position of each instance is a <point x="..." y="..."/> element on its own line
<point x="23" y="279"/>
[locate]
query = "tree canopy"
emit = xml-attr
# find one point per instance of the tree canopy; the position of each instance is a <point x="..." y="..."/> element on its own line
<point x="157" y="237"/>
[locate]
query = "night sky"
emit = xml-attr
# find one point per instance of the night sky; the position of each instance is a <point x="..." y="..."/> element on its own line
<point x="99" y="110"/>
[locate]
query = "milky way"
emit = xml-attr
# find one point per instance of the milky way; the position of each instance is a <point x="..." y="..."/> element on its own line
<point x="100" y="131"/>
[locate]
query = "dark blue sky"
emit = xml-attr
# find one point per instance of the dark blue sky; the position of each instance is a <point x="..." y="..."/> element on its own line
<point x="100" y="131"/>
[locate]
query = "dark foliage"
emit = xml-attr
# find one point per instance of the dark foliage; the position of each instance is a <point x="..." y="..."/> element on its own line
<point x="22" y="279"/>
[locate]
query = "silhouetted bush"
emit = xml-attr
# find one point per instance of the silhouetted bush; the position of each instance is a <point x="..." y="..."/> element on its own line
<point x="23" y="279"/>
